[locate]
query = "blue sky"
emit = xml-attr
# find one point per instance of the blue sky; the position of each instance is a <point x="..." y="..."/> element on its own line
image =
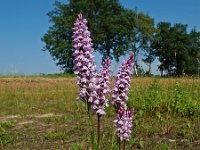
<point x="23" y="23"/>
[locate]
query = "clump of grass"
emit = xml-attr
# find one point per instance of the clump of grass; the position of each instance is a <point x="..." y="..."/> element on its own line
<point x="6" y="137"/>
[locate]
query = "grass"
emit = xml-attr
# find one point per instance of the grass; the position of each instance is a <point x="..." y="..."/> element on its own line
<point x="43" y="113"/>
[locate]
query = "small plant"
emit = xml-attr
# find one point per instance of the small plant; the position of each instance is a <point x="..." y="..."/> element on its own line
<point x="94" y="88"/>
<point x="121" y="88"/>
<point x="84" y="65"/>
<point x="5" y="137"/>
<point x="151" y="97"/>
<point x="178" y="98"/>
<point x="98" y="95"/>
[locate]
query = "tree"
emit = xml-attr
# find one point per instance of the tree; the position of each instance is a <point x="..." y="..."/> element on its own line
<point x="115" y="30"/>
<point x="149" y="54"/>
<point x="192" y="66"/>
<point x="148" y="60"/>
<point x="176" y="48"/>
<point x="160" y="45"/>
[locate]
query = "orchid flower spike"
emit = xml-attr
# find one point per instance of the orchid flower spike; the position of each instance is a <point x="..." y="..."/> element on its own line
<point x="124" y="123"/>
<point x="122" y="84"/>
<point x="101" y="89"/>
<point x="84" y="65"/>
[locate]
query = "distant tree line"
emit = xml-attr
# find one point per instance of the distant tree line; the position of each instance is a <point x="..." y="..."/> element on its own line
<point x="117" y="31"/>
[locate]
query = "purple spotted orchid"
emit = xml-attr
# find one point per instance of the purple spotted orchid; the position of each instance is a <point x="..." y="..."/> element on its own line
<point x="94" y="88"/>
<point x="122" y="84"/>
<point x="84" y="65"/>
<point x="124" y="123"/>
<point x="101" y="89"/>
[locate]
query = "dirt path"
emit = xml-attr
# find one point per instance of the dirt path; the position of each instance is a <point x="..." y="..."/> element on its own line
<point x="11" y="117"/>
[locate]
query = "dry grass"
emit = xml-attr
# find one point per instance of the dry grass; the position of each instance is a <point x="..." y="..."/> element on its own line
<point x="43" y="113"/>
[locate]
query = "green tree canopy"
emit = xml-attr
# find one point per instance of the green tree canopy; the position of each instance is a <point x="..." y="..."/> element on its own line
<point x="177" y="49"/>
<point x="193" y="65"/>
<point x="115" y="30"/>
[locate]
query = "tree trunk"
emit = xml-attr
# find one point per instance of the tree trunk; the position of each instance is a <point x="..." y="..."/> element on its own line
<point x="108" y="53"/>
<point x="136" y="72"/>
<point x="149" y="68"/>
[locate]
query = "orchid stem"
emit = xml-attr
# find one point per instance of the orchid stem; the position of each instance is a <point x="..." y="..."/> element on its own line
<point x="98" y="130"/>
<point x="124" y="145"/>
<point x="119" y="143"/>
<point x="92" y="136"/>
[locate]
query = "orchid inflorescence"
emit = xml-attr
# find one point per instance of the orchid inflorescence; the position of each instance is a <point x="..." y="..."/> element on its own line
<point x="124" y="123"/>
<point x="95" y="87"/>
<point x="84" y="65"/>
<point x="122" y="84"/>
<point x="101" y="89"/>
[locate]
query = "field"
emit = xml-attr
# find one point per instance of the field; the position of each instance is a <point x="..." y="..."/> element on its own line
<point x="39" y="113"/>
